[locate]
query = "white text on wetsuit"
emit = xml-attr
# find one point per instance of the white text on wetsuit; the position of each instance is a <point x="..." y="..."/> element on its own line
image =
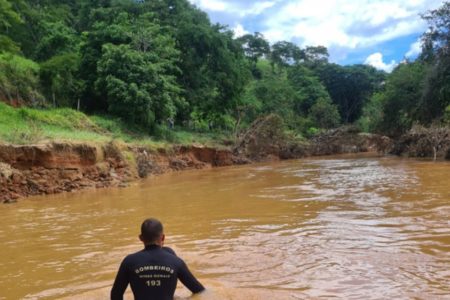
<point x="153" y="268"/>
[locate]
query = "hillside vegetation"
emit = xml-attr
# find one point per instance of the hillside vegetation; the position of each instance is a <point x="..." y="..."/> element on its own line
<point x="160" y="70"/>
<point x="30" y="125"/>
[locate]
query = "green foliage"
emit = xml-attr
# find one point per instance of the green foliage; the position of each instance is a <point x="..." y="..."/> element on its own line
<point x="135" y="90"/>
<point x="402" y="93"/>
<point x="312" y="131"/>
<point x="324" y="114"/>
<point x="285" y="53"/>
<point x="436" y="45"/>
<point x="373" y="114"/>
<point x="150" y="63"/>
<point x="8" y="17"/>
<point x="350" y="87"/>
<point x="57" y="39"/>
<point x="316" y="55"/>
<point x="276" y="96"/>
<point x="447" y="115"/>
<point x="62" y="117"/>
<point x="18" y="80"/>
<point x="255" y="46"/>
<point x="31" y="134"/>
<point x="28" y="125"/>
<point x="308" y="87"/>
<point x="8" y="45"/>
<point x="128" y="80"/>
<point x="59" y="79"/>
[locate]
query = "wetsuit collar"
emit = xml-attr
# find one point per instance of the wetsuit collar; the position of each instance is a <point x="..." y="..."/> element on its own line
<point x="152" y="247"/>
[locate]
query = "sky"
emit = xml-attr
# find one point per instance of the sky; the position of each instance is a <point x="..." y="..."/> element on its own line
<point x="381" y="33"/>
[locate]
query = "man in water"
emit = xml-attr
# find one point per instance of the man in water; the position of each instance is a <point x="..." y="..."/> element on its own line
<point x="153" y="272"/>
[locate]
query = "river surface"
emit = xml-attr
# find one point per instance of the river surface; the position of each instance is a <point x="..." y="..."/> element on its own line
<point x="343" y="227"/>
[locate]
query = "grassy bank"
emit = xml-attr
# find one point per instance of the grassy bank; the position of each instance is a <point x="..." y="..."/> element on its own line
<point x="29" y="126"/>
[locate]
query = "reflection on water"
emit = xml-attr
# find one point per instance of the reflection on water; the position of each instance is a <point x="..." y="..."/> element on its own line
<point x="346" y="227"/>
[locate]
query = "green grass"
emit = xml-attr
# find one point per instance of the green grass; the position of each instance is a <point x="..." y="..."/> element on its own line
<point x="29" y="125"/>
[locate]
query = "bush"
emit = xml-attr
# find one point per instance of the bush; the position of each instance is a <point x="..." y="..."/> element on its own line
<point x="312" y="131"/>
<point x="30" y="135"/>
<point x="447" y="115"/>
<point x="161" y="132"/>
<point x="19" y="80"/>
<point x="324" y="114"/>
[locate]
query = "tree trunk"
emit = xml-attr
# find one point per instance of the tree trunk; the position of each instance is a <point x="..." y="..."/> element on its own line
<point x="78" y="104"/>
<point x="236" y="125"/>
<point x="434" y="153"/>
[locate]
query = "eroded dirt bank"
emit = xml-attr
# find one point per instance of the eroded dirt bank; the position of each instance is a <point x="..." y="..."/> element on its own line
<point x="65" y="167"/>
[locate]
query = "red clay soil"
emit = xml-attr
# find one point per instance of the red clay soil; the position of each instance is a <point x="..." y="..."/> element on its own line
<point x="63" y="167"/>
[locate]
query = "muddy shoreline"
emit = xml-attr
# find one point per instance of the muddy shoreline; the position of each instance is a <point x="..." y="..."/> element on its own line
<point x="56" y="167"/>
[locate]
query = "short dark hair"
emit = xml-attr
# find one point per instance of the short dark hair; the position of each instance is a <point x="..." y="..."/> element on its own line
<point x="151" y="230"/>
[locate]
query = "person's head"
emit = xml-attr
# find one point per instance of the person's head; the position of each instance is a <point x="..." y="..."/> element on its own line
<point x="152" y="232"/>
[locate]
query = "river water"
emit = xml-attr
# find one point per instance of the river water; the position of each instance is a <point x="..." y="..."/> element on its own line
<point x="345" y="227"/>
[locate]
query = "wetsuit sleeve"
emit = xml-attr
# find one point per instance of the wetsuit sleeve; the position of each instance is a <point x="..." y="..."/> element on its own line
<point x="189" y="280"/>
<point x="121" y="282"/>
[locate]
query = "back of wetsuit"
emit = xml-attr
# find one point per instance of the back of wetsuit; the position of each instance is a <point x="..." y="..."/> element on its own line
<point x="152" y="274"/>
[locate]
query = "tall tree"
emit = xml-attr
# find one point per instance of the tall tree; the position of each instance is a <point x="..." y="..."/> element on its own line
<point x="436" y="50"/>
<point x="350" y="87"/>
<point x="308" y="88"/>
<point x="285" y="53"/>
<point x="400" y="99"/>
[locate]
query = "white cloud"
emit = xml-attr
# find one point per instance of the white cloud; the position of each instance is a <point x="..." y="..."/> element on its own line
<point x="343" y="26"/>
<point x="213" y="5"/>
<point x="258" y="8"/>
<point x="414" y="50"/>
<point x="376" y="60"/>
<point x="346" y="23"/>
<point x="239" y="8"/>
<point x="239" y="30"/>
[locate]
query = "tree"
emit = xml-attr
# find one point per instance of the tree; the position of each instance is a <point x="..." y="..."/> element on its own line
<point x="316" y="54"/>
<point x="136" y="77"/>
<point x="350" y="87"/>
<point x="8" y="19"/>
<point x="372" y="116"/>
<point x="255" y="46"/>
<point x="18" y="80"/>
<point x="400" y="99"/>
<point x="276" y="96"/>
<point x="447" y="115"/>
<point x="128" y="81"/>
<point x="285" y="53"/>
<point x="111" y="27"/>
<point x="57" y="39"/>
<point x="60" y="81"/>
<point x="436" y="51"/>
<point x="308" y="88"/>
<point x="324" y="114"/>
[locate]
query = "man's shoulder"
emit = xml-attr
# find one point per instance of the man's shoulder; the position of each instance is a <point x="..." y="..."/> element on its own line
<point x="133" y="256"/>
<point x="169" y="250"/>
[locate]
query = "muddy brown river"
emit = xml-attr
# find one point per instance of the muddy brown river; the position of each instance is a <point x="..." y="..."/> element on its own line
<point x="343" y="227"/>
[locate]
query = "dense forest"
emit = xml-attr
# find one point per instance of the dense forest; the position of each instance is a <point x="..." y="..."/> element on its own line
<point x="162" y="63"/>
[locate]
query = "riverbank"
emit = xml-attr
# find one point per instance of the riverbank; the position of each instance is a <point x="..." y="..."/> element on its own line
<point x="61" y="150"/>
<point x="56" y="167"/>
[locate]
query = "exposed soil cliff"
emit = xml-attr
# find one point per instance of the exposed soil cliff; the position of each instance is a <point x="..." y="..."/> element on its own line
<point x="65" y="167"/>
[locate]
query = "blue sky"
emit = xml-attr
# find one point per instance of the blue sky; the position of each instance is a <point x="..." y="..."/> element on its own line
<point x="377" y="32"/>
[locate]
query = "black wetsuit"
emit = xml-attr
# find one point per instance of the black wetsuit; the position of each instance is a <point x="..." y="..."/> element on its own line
<point x="152" y="274"/>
